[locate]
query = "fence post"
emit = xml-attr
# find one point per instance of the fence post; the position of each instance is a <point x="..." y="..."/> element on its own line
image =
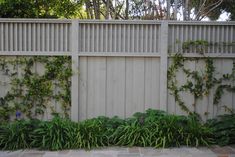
<point x="75" y="63"/>
<point x="163" y="42"/>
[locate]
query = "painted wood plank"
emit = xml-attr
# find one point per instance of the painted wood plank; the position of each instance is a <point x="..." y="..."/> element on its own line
<point x="218" y="75"/>
<point x="115" y="98"/>
<point x="152" y="83"/>
<point x="134" y="85"/>
<point x="188" y="98"/>
<point x="210" y="107"/>
<point x="201" y="103"/>
<point x="138" y="81"/>
<point x="180" y="77"/>
<point x="96" y="86"/>
<point x="83" y="87"/>
<point x="4" y="81"/>
<point x="171" y="104"/>
<point x="39" y="69"/>
<point x="227" y="99"/>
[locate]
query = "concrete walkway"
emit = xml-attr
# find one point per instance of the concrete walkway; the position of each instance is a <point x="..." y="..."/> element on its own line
<point x="128" y="152"/>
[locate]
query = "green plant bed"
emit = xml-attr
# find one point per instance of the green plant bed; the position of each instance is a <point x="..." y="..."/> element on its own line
<point x="223" y="128"/>
<point x="153" y="128"/>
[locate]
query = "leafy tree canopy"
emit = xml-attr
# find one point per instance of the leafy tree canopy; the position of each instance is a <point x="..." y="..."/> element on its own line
<point x="39" y="8"/>
<point x="118" y="9"/>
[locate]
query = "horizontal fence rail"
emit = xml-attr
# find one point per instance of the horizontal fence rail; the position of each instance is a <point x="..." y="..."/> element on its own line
<point x="122" y="64"/>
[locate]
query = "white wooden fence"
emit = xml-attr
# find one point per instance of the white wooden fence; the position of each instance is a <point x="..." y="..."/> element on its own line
<point x="122" y="64"/>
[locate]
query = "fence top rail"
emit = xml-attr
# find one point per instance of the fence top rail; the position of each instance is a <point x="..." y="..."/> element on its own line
<point x="24" y="20"/>
<point x="170" y="22"/>
<point x="201" y="23"/>
<point x="120" y="21"/>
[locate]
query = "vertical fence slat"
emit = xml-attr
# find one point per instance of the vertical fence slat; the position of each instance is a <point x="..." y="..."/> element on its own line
<point x="142" y="39"/>
<point x="222" y="39"/>
<point x="128" y="38"/>
<point x="115" y="39"/>
<point x="58" y="37"/>
<point x="226" y="39"/>
<point x="146" y="39"/>
<point x="231" y="39"/>
<point x="92" y="37"/>
<point x="52" y="29"/>
<point x="137" y="43"/>
<point x="29" y="37"/>
<point x="25" y="37"/>
<point x="55" y="37"/>
<point x="11" y="37"/>
<point x="84" y="37"/>
<point x="33" y="37"/>
<point x="38" y="36"/>
<point x="102" y="38"/>
<point x="1" y="37"/>
<point x="151" y="38"/>
<point x="106" y="38"/>
<point x="66" y="39"/>
<point x="132" y="38"/>
<point x="119" y="49"/>
<point x="48" y="37"/>
<point x="15" y="37"/>
<point x="124" y="38"/>
<point x="42" y="30"/>
<point x="62" y="37"/>
<point x="6" y="37"/>
<point x="208" y="35"/>
<point x="83" y="88"/>
<point x="173" y="39"/>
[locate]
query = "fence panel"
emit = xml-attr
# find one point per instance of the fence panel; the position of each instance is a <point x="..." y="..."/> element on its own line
<point x="118" y="85"/>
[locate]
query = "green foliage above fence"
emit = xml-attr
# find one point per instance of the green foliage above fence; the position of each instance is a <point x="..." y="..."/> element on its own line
<point x="32" y="92"/>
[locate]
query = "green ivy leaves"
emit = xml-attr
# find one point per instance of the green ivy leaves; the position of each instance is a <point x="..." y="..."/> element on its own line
<point x="32" y="92"/>
<point x="199" y="84"/>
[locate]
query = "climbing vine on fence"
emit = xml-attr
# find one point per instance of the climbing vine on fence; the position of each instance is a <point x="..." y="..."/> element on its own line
<point x="198" y="83"/>
<point x="32" y="92"/>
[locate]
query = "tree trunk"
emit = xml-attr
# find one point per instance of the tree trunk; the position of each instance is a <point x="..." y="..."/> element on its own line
<point x="107" y="9"/>
<point x="175" y="9"/>
<point x="127" y="9"/>
<point x="186" y="10"/>
<point x="96" y="9"/>
<point x="168" y="10"/>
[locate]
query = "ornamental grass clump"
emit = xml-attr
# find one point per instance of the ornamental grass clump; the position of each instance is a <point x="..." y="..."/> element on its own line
<point x="57" y="134"/>
<point x="159" y="129"/>
<point x="223" y="128"/>
<point x="17" y="134"/>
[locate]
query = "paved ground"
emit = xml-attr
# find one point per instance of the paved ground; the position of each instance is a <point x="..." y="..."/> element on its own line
<point x="215" y="151"/>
